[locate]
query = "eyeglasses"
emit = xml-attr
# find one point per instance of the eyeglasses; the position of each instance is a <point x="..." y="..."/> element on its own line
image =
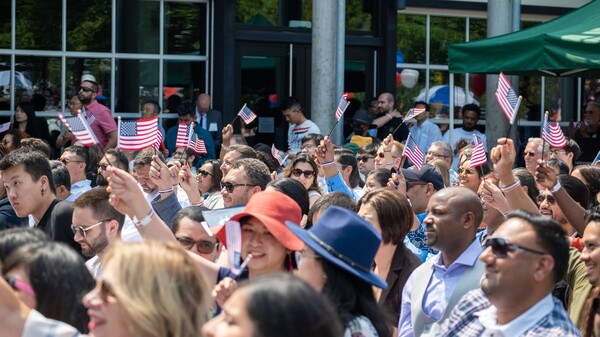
<point x="364" y="158"/>
<point x="551" y="199"/>
<point x="307" y="174"/>
<point x="103" y="167"/>
<point x="19" y="285"/>
<point x="204" y="174"/>
<point x="203" y="246"/>
<point x="229" y="186"/>
<point x="85" y="89"/>
<point x="433" y="154"/>
<point x="501" y="247"/>
<point x="301" y="254"/>
<point x="66" y="161"/>
<point x="530" y="154"/>
<point x="83" y="230"/>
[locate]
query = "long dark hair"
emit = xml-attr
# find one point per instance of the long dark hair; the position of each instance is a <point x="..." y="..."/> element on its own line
<point x="283" y="305"/>
<point x="59" y="279"/>
<point x="352" y="297"/>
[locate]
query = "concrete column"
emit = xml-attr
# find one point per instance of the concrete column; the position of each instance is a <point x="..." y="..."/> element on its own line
<point x="324" y="69"/>
<point x="499" y="16"/>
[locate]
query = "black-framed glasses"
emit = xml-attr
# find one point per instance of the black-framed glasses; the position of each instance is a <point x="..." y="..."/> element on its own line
<point x="204" y="174"/>
<point x="530" y="154"/>
<point x="19" y="285"/>
<point x="103" y="167"/>
<point x="83" y="230"/>
<point x="298" y="172"/>
<point x="364" y="158"/>
<point x="203" y="246"/>
<point x="433" y="154"/>
<point x="229" y="186"/>
<point x="541" y="197"/>
<point x="66" y="161"/>
<point x="501" y="247"/>
<point x="85" y="89"/>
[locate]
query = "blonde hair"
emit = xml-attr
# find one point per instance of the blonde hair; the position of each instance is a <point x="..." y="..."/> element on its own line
<point x="162" y="291"/>
<point x="443" y="169"/>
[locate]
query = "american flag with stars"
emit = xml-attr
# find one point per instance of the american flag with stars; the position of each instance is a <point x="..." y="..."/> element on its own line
<point x="342" y="106"/>
<point x="552" y="134"/>
<point x="139" y="134"/>
<point x="184" y="135"/>
<point x="198" y="146"/>
<point x="246" y="114"/>
<point x="507" y="99"/>
<point x="80" y="129"/>
<point x="478" y="156"/>
<point x="413" y="152"/>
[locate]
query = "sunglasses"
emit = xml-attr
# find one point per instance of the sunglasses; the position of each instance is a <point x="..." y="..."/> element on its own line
<point x="85" y="89"/>
<point x="204" y="174"/>
<point x="530" y="154"/>
<point x="501" y="247"/>
<point x="19" y="285"/>
<point x="551" y="199"/>
<point x="203" y="246"/>
<point x="83" y="230"/>
<point x="365" y="158"/>
<point x="229" y="186"/>
<point x="307" y="174"/>
<point x="66" y="161"/>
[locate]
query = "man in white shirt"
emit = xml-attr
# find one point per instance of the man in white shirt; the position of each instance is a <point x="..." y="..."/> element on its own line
<point x="75" y="159"/>
<point x="424" y="132"/>
<point x="96" y="225"/>
<point x="300" y="126"/>
<point x="524" y="259"/>
<point x="470" y="115"/>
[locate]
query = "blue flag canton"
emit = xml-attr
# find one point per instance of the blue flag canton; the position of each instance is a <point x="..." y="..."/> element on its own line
<point x="75" y="124"/>
<point x="129" y="128"/>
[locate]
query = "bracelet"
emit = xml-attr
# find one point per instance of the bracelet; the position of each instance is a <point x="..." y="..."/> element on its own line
<point x="390" y="115"/>
<point x="511" y="186"/>
<point x="390" y="163"/>
<point x="329" y="163"/>
<point x="201" y="203"/>
<point x="555" y="188"/>
<point x="145" y="220"/>
<point x="166" y="190"/>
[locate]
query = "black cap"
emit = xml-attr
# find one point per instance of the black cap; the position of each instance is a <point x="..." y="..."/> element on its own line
<point x="427" y="173"/>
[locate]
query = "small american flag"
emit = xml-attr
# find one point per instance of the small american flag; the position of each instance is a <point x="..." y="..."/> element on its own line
<point x="342" y="106"/>
<point x="552" y="134"/>
<point x="184" y="135"/>
<point x="413" y="152"/>
<point x="247" y="114"/>
<point x="478" y="157"/>
<point x="139" y="134"/>
<point x="412" y="113"/>
<point x="198" y="146"/>
<point x="88" y="116"/>
<point x="275" y="153"/>
<point x="80" y="129"/>
<point x="507" y="99"/>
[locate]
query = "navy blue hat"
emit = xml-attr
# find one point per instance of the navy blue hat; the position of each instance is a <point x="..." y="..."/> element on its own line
<point x="346" y="240"/>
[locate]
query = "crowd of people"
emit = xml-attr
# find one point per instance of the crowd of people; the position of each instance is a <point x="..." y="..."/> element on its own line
<point x="336" y="240"/>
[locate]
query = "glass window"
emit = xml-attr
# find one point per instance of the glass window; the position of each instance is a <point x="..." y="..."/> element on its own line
<point x="411" y="37"/>
<point x="100" y="68"/>
<point x="477" y="29"/>
<point x="356" y="17"/>
<point x="5" y="23"/>
<point x="443" y="32"/>
<point x="35" y="77"/>
<point x="89" y="25"/>
<point x="5" y="82"/>
<point x="136" y="81"/>
<point x="39" y="24"/>
<point x="257" y="12"/>
<point x="138" y="24"/>
<point x="409" y="93"/>
<point x="185" y="28"/>
<point x="183" y="79"/>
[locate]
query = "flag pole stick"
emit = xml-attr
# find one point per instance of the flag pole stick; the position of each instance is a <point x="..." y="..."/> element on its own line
<point x="398" y="127"/>
<point x="333" y="128"/>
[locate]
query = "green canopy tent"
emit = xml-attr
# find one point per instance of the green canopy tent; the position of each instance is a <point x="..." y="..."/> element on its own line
<point x="566" y="46"/>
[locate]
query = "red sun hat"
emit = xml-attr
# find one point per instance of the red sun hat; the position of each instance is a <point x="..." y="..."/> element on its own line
<point x="272" y="209"/>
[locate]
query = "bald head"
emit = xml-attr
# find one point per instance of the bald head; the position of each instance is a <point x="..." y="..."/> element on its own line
<point x="465" y="201"/>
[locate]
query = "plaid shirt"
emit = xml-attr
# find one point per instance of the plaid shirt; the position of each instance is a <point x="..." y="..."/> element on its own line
<point x="462" y="321"/>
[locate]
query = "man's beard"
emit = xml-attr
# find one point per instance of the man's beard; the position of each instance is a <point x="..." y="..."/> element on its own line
<point x="84" y="100"/>
<point x="101" y="181"/>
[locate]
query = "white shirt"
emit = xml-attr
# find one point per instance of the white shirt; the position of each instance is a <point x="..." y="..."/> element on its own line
<point x="457" y="135"/>
<point x="517" y="326"/>
<point x="93" y="265"/>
